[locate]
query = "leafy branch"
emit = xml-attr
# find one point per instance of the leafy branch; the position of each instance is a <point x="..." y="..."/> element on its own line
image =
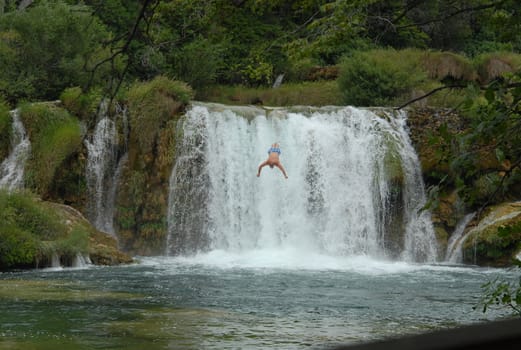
<point x="432" y="92"/>
<point x="499" y="292"/>
<point x="147" y="7"/>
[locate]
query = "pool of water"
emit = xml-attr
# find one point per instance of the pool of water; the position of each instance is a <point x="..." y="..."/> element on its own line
<point x="250" y="301"/>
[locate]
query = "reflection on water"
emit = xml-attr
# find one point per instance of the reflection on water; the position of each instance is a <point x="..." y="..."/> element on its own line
<point x="223" y="302"/>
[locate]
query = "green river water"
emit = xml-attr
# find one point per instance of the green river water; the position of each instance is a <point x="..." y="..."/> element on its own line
<point x="236" y="302"/>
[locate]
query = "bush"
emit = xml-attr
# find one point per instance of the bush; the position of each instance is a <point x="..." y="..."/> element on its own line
<point x="300" y="70"/>
<point x="493" y="65"/>
<point x="380" y="77"/>
<point x="50" y="46"/>
<point x="83" y="105"/>
<point x="25" y="224"/>
<point x="257" y="70"/>
<point x="33" y="231"/>
<point x="151" y="105"/>
<point x="24" y="211"/>
<point x="54" y="135"/>
<point x="197" y="63"/>
<point x="76" y="242"/>
<point x="17" y="247"/>
<point x="444" y="66"/>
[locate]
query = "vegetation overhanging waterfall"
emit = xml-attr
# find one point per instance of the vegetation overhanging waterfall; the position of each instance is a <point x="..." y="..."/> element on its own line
<point x="354" y="186"/>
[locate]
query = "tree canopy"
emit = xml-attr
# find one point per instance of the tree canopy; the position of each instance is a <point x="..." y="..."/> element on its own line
<point x="387" y="51"/>
<point x="46" y="46"/>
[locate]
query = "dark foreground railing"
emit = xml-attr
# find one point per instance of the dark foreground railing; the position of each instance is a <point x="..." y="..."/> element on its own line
<point x="500" y="335"/>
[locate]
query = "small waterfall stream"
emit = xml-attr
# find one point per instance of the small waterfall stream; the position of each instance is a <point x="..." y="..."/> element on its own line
<point x="12" y="168"/>
<point x="454" y="253"/>
<point x="104" y="165"/>
<point x="354" y="186"/>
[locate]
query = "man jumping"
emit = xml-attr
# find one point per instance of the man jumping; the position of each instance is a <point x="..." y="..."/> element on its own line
<point x="273" y="160"/>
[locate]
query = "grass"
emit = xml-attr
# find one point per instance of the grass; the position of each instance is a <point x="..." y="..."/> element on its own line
<point x="152" y="104"/>
<point x="54" y="135"/>
<point x="378" y="78"/>
<point x="34" y="232"/>
<point x="319" y="93"/>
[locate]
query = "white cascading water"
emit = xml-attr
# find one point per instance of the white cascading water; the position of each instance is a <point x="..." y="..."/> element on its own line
<point x="339" y="199"/>
<point x="103" y="169"/>
<point x="12" y="168"/>
<point x="454" y="254"/>
<point x="420" y="241"/>
<point x="81" y="261"/>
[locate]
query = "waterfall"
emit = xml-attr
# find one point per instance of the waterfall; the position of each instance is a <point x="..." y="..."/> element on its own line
<point x="354" y="184"/>
<point x="454" y="253"/>
<point x="12" y="168"/>
<point x="420" y="241"/>
<point x="103" y="169"/>
<point x="55" y="261"/>
<point x="81" y="261"/>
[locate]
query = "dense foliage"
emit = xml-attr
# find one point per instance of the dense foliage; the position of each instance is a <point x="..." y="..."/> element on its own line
<point x="55" y="135"/>
<point x="152" y="105"/>
<point x="47" y="46"/>
<point x="31" y="233"/>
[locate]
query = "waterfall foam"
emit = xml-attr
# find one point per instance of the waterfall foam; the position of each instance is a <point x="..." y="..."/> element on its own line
<point x="12" y="168"/>
<point x="340" y="199"/>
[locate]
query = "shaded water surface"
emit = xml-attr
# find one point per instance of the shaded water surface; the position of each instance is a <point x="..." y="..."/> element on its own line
<point x="251" y="301"/>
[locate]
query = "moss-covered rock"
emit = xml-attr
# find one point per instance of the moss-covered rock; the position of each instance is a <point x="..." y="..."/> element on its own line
<point x="430" y="132"/>
<point x="79" y="103"/>
<point x="142" y="200"/>
<point x="35" y="232"/>
<point x="496" y="239"/>
<point x="55" y="137"/>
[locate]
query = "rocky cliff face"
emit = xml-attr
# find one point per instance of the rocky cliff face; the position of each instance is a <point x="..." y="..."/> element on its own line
<point x="102" y="248"/>
<point x="493" y="237"/>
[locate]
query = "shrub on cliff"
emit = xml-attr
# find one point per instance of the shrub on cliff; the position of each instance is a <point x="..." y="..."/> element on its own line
<point x="380" y="77"/>
<point x="81" y="104"/>
<point x="448" y="66"/>
<point x="495" y="64"/>
<point x="54" y="135"/>
<point x="388" y="77"/>
<point x="25" y="226"/>
<point x="152" y="104"/>
<point x="33" y="231"/>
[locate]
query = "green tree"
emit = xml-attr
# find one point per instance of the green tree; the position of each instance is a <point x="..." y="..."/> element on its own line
<point x="223" y="41"/>
<point x="493" y="133"/>
<point x="380" y="77"/>
<point x="48" y="47"/>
